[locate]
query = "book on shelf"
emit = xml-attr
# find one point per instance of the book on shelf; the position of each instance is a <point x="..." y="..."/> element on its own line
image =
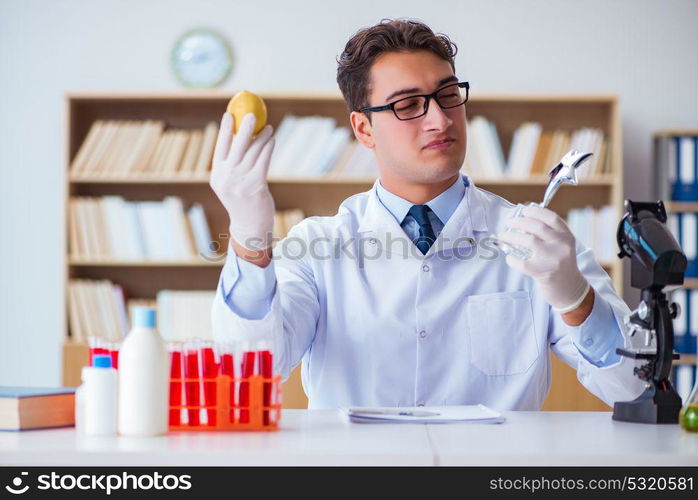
<point x="101" y="309"/>
<point x="685" y="338"/>
<point x="540" y="157"/>
<point x="199" y="229"/>
<point x="191" y="152"/>
<point x="314" y="146"/>
<point x="533" y="151"/>
<point x="485" y="157"/>
<point x="559" y="145"/>
<point x="683" y="377"/>
<point x="595" y="229"/>
<point x="111" y="228"/>
<point x="684" y="227"/>
<point x="676" y="167"/>
<point x="96" y="308"/>
<point x="523" y="150"/>
<point x="686" y="323"/>
<point x="337" y="170"/>
<point x="185" y="314"/>
<point x="590" y="140"/>
<point x="24" y="408"/>
<point x="208" y="144"/>
<point x="127" y="148"/>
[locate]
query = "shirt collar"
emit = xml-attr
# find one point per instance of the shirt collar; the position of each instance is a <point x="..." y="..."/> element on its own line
<point x="468" y="219"/>
<point x="442" y="205"/>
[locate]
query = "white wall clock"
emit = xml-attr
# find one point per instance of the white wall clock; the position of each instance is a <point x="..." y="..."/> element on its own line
<point x="202" y="58"/>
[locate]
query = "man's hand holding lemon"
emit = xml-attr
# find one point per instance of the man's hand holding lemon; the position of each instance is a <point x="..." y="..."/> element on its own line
<point x="238" y="177"/>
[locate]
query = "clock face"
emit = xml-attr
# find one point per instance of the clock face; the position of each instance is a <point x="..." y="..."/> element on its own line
<point x="202" y="58"/>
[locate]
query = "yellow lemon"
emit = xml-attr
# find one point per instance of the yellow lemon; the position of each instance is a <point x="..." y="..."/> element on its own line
<point x="246" y="102"/>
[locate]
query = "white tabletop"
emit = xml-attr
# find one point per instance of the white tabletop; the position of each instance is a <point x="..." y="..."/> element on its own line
<point x="323" y="437"/>
<point x="563" y="438"/>
<point x="305" y="437"/>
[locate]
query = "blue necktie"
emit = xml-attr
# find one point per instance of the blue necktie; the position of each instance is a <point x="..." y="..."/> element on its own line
<point x="426" y="237"/>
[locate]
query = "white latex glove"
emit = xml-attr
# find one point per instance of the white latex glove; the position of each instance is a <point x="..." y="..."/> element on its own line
<point x="553" y="263"/>
<point x="239" y="179"/>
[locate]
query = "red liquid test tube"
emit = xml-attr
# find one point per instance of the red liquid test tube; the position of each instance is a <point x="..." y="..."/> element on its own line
<point x="246" y="371"/>
<point x="210" y="372"/>
<point x="192" y="375"/>
<point x="114" y="352"/>
<point x="265" y="370"/>
<point x="175" y="383"/>
<point x="228" y="368"/>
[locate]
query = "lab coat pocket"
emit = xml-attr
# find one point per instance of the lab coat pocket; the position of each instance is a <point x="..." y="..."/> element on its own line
<point x="501" y="332"/>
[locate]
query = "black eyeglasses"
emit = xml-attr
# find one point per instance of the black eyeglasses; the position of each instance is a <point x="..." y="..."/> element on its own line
<point x="409" y="108"/>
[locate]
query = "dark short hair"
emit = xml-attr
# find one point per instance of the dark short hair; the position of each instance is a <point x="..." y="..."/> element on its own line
<point x="390" y="35"/>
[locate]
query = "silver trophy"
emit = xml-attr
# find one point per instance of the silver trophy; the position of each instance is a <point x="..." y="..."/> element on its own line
<point x="564" y="172"/>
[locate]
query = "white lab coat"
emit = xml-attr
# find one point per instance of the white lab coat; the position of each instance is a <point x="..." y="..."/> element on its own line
<point x="398" y="328"/>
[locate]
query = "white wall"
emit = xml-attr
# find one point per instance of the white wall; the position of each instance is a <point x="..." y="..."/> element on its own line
<point x="643" y="50"/>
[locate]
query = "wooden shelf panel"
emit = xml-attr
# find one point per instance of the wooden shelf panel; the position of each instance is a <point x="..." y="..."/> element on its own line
<point x="567" y="197"/>
<point x="77" y="262"/>
<point x="322" y="195"/>
<point x="676" y="132"/>
<point x="681" y="206"/>
<point x="146" y="263"/>
<point x="687" y="359"/>
<point x="539" y="181"/>
<point x="690" y="283"/>
<point x="138" y="180"/>
<point x="146" y="281"/>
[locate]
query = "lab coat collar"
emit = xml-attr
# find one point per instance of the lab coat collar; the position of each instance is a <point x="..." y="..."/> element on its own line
<point x="459" y="231"/>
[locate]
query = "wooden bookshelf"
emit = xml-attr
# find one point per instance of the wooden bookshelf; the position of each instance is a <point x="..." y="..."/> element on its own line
<point x="318" y="196"/>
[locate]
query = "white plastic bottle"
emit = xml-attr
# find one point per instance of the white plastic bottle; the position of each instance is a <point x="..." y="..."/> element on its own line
<point x="97" y="398"/>
<point x="80" y="409"/>
<point x="143" y="378"/>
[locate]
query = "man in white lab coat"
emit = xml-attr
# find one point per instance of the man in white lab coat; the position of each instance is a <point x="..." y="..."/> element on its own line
<point x="400" y="299"/>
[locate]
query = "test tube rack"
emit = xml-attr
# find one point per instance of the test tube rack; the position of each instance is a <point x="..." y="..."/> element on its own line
<point x="229" y="415"/>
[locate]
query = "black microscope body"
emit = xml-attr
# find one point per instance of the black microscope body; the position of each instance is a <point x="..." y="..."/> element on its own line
<point x="656" y="261"/>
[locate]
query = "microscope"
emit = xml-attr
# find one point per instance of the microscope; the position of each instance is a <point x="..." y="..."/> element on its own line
<point x="656" y="261"/>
